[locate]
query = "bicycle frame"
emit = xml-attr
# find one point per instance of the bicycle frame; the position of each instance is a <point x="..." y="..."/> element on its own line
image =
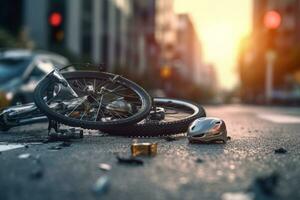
<point x="28" y="113"/>
<point x="20" y="115"/>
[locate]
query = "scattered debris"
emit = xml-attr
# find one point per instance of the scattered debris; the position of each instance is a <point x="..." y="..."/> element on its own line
<point x="65" y="144"/>
<point x="104" y="166"/>
<point x="55" y="148"/>
<point x="102" y="185"/>
<point x="170" y="138"/>
<point x="130" y="160"/>
<point x="97" y="133"/>
<point x="37" y="159"/>
<point x="78" y="133"/>
<point x="280" y="151"/>
<point x="60" y="146"/>
<point x="144" y="149"/>
<point x="134" y="141"/>
<point x="237" y="196"/>
<point x="24" y="156"/>
<point x="64" y="135"/>
<point x="265" y="186"/>
<point x="37" y="172"/>
<point x="261" y="188"/>
<point x="199" y="160"/>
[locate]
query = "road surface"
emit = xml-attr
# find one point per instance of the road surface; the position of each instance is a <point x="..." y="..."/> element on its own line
<point x="227" y="171"/>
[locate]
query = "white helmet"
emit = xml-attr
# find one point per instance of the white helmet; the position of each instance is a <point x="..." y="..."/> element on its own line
<point x="207" y="130"/>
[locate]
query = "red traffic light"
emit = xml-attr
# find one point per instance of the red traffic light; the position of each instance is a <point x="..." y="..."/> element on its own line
<point x="55" y="19"/>
<point x="272" y="20"/>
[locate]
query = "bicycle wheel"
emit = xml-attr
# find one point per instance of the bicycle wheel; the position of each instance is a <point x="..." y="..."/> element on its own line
<point x="104" y="100"/>
<point x="167" y="117"/>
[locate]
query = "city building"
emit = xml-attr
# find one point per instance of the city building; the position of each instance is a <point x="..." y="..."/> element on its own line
<point x="11" y="16"/>
<point x="166" y="30"/>
<point x="139" y="37"/>
<point x="189" y="55"/>
<point x="137" y="34"/>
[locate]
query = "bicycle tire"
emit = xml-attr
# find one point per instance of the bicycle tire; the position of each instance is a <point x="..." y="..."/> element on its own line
<point x="159" y="128"/>
<point x="43" y="107"/>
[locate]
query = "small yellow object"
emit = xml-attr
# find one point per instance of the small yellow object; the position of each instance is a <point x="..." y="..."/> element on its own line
<point x="165" y="72"/>
<point x="144" y="149"/>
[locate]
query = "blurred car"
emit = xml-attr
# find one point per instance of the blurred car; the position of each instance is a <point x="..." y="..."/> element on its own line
<point x="20" y="71"/>
<point x="289" y="97"/>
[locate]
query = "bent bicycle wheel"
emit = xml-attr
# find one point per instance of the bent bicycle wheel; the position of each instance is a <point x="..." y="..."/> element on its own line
<point x="103" y="100"/>
<point x="167" y="117"/>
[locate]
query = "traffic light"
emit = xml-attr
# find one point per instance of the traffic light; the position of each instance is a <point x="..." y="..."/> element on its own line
<point x="56" y="21"/>
<point x="272" y="21"/>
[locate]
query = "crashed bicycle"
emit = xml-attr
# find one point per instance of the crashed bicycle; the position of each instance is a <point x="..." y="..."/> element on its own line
<point x="101" y="101"/>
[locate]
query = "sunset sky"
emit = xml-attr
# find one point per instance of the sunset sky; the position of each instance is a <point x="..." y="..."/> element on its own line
<point x="220" y="24"/>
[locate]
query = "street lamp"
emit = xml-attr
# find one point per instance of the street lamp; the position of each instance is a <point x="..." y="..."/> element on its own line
<point x="272" y="21"/>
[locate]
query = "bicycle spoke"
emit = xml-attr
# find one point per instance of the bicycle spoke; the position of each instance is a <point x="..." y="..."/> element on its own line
<point x="118" y="114"/>
<point x="93" y="98"/>
<point x="99" y="108"/>
<point x="126" y="96"/>
<point x="84" y="81"/>
<point x="82" y="87"/>
<point x="122" y="89"/>
<point x="77" y="106"/>
<point x="106" y="82"/>
<point x="110" y="113"/>
<point x="85" y="112"/>
<point x="95" y="84"/>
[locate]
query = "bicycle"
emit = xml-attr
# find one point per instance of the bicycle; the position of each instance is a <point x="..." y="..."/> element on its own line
<point x="102" y="101"/>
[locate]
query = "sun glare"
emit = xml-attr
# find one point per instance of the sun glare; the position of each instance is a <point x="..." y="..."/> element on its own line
<point x="220" y="25"/>
<point x="218" y="37"/>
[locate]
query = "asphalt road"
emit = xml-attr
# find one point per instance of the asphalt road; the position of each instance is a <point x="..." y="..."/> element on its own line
<point x="227" y="171"/>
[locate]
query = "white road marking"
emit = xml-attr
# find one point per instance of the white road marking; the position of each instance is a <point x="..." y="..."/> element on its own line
<point x="280" y="119"/>
<point x="8" y="147"/>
